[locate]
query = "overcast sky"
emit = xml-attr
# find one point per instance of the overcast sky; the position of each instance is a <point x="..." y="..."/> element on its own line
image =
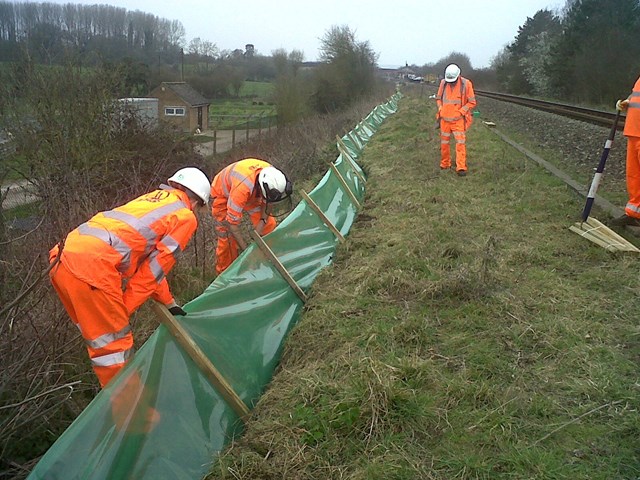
<point x="412" y="31"/>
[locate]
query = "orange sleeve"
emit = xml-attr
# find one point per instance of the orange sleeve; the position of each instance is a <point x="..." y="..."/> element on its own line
<point x="236" y="203"/>
<point x="471" y="96"/>
<point x="150" y="277"/>
<point x="439" y="94"/>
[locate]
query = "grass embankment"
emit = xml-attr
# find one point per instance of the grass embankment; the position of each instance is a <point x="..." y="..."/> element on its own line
<point x="462" y="332"/>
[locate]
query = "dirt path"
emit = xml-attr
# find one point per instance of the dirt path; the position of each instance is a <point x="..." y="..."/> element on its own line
<point x="17" y="193"/>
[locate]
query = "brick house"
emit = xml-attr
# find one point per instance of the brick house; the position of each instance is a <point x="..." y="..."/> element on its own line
<point x="180" y="105"/>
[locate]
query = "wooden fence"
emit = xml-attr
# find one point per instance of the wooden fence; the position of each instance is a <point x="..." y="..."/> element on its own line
<point x="237" y="125"/>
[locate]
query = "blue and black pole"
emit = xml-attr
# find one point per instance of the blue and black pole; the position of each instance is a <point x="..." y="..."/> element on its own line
<point x="599" y="171"/>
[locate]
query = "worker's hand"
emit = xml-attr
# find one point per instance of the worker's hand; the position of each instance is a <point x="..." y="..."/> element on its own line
<point x="175" y="309"/>
<point x="622" y="104"/>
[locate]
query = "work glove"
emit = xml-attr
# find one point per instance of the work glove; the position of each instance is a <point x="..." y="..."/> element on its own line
<point x="176" y="309"/>
<point x="622" y="104"/>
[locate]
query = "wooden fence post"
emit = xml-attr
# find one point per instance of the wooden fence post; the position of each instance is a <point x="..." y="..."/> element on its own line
<point x="201" y="360"/>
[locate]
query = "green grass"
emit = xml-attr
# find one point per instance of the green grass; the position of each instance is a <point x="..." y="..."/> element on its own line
<point x="255" y="100"/>
<point x="463" y="332"/>
<point x="260" y="90"/>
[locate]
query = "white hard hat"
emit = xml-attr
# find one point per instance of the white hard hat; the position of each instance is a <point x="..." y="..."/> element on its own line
<point x="195" y="180"/>
<point x="451" y="73"/>
<point x="274" y="184"/>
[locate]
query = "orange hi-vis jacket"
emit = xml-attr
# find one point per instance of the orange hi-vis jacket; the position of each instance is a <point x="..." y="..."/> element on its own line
<point x="456" y="101"/>
<point x="232" y="193"/>
<point x="129" y="250"/>
<point x="234" y="185"/>
<point x="632" y="121"/>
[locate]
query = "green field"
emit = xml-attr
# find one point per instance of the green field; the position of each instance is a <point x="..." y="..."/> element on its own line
<point x="255" y="100"/>
<point x="463" y="332"/>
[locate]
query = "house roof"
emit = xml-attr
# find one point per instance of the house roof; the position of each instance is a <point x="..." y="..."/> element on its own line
<point x="187" y="93"/>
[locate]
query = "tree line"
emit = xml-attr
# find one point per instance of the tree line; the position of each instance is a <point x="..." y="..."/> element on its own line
<point x="147" y="50"/>
<point x="52" y="32"/>
<point x="587" y="53"/>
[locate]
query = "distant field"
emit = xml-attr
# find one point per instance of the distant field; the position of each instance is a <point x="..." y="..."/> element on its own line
<point x="255" y="99"/>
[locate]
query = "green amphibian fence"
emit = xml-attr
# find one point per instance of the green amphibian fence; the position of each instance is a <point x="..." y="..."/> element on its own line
<point x="161" y="417"/>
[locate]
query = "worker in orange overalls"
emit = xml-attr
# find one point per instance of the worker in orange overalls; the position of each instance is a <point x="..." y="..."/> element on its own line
<point x="456" y="101"/>
<point x="631" y="104"/>
<point x="250" y="185"/>
<point x="110" y="265"/>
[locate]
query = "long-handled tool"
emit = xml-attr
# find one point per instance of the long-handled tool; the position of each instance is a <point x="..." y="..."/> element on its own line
<point x="600" y="170"/>
<point x="589" y="227"/>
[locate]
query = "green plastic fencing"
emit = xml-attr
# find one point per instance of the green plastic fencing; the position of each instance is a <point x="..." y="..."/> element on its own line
<point x="160" y="418"/>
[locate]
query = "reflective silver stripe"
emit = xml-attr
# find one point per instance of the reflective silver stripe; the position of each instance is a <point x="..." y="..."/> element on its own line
<point x="231" y="205"/>
<point x="633" y="105"/>
<point x="226" y="184"/>
<point x="633" y="208"/>
<point x="634" y="94"/>
<point x="254" y="210"/>
<point x="234" y="217"/>
<point x="155" y="267"/>
<point x="143" y="224"/>
<point x="107" y="338"/>
<point x="452" y="102"/>
<point x="459" y="137"/>
<point x="451" y="119"/>
<point x="171" y="243"/>
<point x="174" y="249"/>
<point x="243" y="179"/>
<point x="231" y="173"/>
<point x="117" y="358"/>
<point x="444" y="142"/>
<point x="110" y="239"/>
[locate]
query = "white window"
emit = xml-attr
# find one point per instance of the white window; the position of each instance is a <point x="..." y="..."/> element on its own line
<point x="174" y="111"/>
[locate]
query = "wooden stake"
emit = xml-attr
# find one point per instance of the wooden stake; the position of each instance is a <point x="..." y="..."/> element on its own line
<point x="283" y="271"/>
<point x="201" y="360"/>
<point x="321" y="214"/>
<point x="344" y="151"/>
<point x="602" y="235"/>
<point x="355" y="135"/>
<point x="345" y="185"/>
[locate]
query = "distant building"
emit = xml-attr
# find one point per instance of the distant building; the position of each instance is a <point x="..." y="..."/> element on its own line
<point x="144" y="109"/>
<point x="182" y="106"/>
<point x="249" y="50"/>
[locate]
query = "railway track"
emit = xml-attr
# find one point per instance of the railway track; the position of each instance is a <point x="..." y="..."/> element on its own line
<point x="593" y="116"/>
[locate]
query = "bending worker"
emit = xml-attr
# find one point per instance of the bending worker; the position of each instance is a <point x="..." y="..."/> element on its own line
<point x="114" y="262"/>
<point x="250" y="185"/>
<point x="456" y="101"/>
<point x="631" y="104"/>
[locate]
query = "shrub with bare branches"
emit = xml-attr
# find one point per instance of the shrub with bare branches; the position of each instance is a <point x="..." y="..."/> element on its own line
<point x="73" y="148"/>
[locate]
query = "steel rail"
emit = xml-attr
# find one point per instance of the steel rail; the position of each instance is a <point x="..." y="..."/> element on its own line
<point x="590" y="115"/>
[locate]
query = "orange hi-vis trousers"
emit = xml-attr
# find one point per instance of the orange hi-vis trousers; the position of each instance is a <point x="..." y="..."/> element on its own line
<point x="632" y="208"/>
<point x="102" y="318"/>
<point x="456" y="130"/>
